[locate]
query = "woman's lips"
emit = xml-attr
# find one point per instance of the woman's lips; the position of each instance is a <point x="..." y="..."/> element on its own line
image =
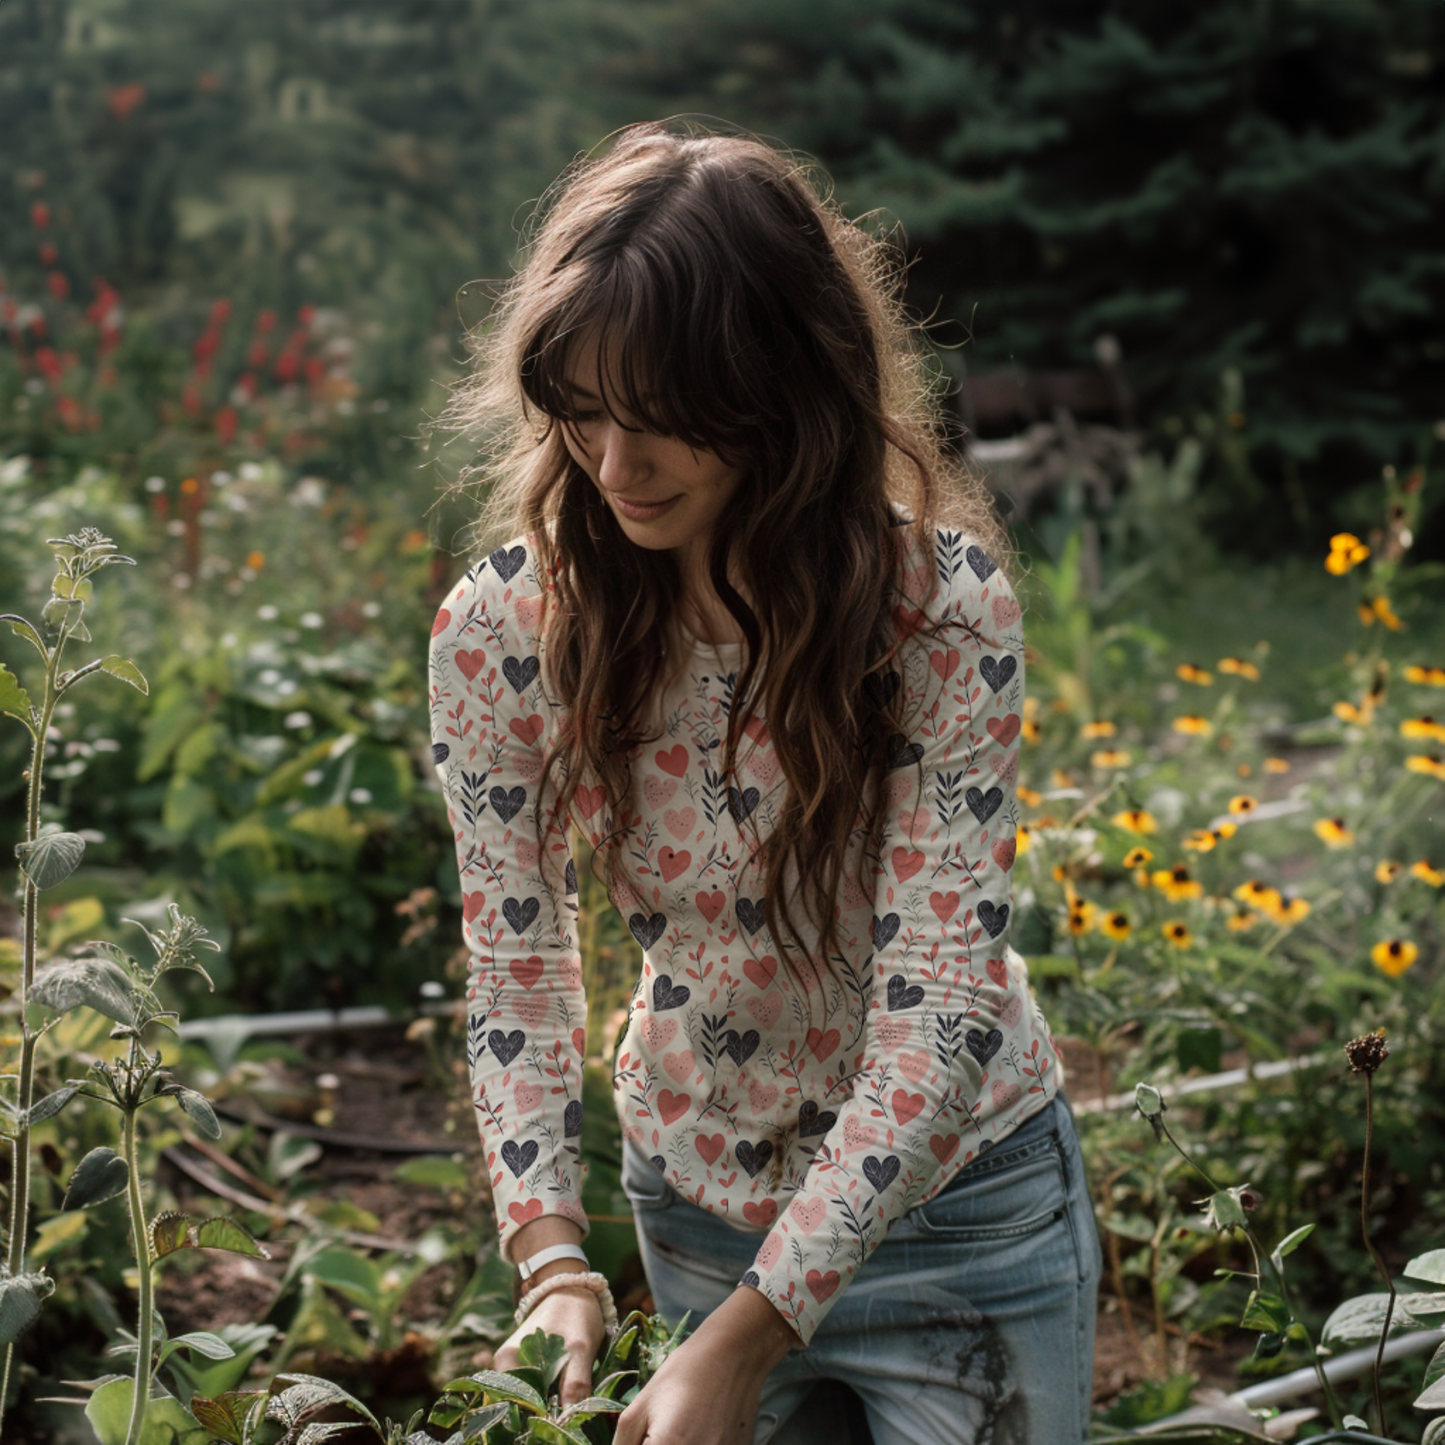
<point x="644" y="511"/>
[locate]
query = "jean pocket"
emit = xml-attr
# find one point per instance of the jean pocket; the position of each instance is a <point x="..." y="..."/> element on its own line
<point x="646" y="1189"/>
<point x="1019" y="1192"/>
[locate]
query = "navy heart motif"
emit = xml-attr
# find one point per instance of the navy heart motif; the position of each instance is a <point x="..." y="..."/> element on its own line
<point x="507" y="805"/>
<point x="996" y="671"/>
<point x="521" y="914"/>
<point x="519" y="1160"/>
<point x="983" y="565"/>
<point x="995" y="920"/>
<point x="983" y="1046"/>
<point x="902" y="753"/>
<point x="751" y="913"/>
<point x="751" y="1278"/>
<point x="571" y="877"/>
<point x="741" y="804"/>
<point x="740" y="1047"/>
<point x="647" y="930"/>
<point x="506" y="1047"/>
<point x="521" y="672"/>
<point x="813" y="1121"/>
<point x="658" y="1163"/>
<point x="508" y="563"/>
<point x="902" y="994"/>
<point x="572" y="1120"/>
<point x="880" y="1173"/>
<point x="440" y="752"/>
<point x="753" y="1157"/>
<point x="666" y="996"/>
<point x="879" y="687"/>
<point x="983" y="805"/>
<point x="883" y="930"/>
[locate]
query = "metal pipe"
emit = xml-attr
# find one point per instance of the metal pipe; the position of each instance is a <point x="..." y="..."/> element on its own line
<point x="1343" y="1367"/>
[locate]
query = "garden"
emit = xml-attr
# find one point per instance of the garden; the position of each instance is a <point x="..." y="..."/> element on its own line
<point x="244" y="1197"/>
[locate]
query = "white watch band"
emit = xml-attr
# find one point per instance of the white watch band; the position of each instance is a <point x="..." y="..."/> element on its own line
<point x="529" y="1266"/>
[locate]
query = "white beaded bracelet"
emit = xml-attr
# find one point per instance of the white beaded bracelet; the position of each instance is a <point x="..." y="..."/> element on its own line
<point x="597" y="1283"/>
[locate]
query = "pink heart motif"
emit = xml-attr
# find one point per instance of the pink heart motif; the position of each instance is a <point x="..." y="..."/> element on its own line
<point x="761" y="1096"/>
<point x="765" y="1008"/>
<point x="897" y="789"/>
<point x="471" y="663"/>
<point x="658" y="791"/>
<point x="858" y="1135"/>
<point x="913" y="1066"/>
<point x="658" y="1033"/>
<point x="1006" y="768"/>
<point x="529" y="766"/>
<point x="853" y="895"/>
<point x="998" y="971"/>
<point x="527" y="1097"/>
<point x="671" y="862"/>
<point x="906" y="862"/>
<point x="1004" y="1094"/>
<point x="710" y="904"/>
<point x="569" y="970"/>
<point x="914" y="822"/>
<point x="1011" y="1011"/>
<point x="769" y="1251"/>
<point x="1004" y="850"/>
<point x="1006" y="612"/>
<point x="893" y="1033"/>
<point x="808" y="1213"/>
<point x="680" y="1066"/>
<point x="916" y="582"/>
<point x="527" y="853"/>
<point x="680" y="823"/>
<point x="765" y="767"/>
<point x="532" y="1010"/>
<point x="1004" y="730"/>
<point x="529" y="612"/>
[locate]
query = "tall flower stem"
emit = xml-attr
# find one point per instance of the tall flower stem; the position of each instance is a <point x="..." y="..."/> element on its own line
<point x="1375" y="1253"/>
<point x="145" y="1324"/>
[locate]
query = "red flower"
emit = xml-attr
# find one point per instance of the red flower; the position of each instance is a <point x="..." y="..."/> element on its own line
<point x="207" y="344"/>
<point x="306" y="315"/>
<point x="265" y="322"/>
<point x="256" y="354"/>
<point x="59" y="285"/>
<point x="226" y="425"/>
<point x="122" y="99"/>
<point x="287" y="365"/>
<point x="246" y="385"/>
<point x="220" y="312"/>
<point x="315" y="369"/>
<point x="49" y="255"/>
<point x="191" y="398"/>
<point x="48" y="363"/>
<point x="39" y="215"/>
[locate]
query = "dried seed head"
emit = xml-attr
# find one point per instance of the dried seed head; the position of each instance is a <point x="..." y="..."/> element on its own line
<point x="1367" y="1053"/>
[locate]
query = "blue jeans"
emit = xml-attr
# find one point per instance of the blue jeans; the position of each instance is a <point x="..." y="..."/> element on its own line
<point x="971" y="1324"/>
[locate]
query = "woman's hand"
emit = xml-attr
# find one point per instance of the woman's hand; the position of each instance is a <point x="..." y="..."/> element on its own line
<point x="707" y="1391"/>
<point x="576" y="1315"/>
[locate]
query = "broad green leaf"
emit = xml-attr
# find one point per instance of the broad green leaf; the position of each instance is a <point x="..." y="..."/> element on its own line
<point x="592" y="1405"/>
<point x="21" y="1296"/>
<point x="197" y="1108"/>
<point x="508" y="1387"/>
<point x="101" y="1175"/>
<point x="13" y="698"/>
<point x="1291" y="1242"/>
<point x="549" y="1432"/>
<point x="546" y="1354"/>
<point x="434" y="1171"/>
<point x="126" y="671"/>
<point x="1359" y="1321"/>
<point x="1429" y="1267"/>
<point x="1435" y="1370"/>
<point x="51" y="859"/>
<point x="21" y="628"/>
<point x="170" y="1232"/>
<point x="226" y="1416"/>
<point x="1434" y="1432"/>
<point x="480" y="1421"/>
<point x="1423" y="1306"/>
<point x="1432" y="1398"/>
<point x="167" y="1421"/>
<point x="52" y="1104"/>
<point x="227" y="1234"/>
<point x="213" y="1347"/>
<point x="346" y="1271"/>
<point x="87" y="983"/>
<point x="1265" y="1312"/>
<point x="301" y="1396"/>
<point x="613" y="1385"/>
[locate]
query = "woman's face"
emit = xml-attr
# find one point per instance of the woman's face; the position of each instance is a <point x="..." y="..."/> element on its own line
<point x="666" y="495"/>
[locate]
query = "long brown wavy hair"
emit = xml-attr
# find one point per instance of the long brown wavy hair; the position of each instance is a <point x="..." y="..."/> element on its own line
<point x="744" y="314"/>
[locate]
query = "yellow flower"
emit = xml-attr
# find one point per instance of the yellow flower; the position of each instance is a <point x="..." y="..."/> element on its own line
<point x="1136" y="820"/>
<point x="1292" y="910"/>
<point x="1081" y="917"/>
<point x="1060" y="778"/>
<point x="1141" y="877"/>
<point x="1201" y="840"/>
<point x="1111" y="758"/>
<point x="1239" y="667"/>
<point x="255" y="560"/>
<point x="1194" y="726"/>
<point x="1091" y="731"/>
<point x="1242" y="919"/>
<point x="1028" y="797"/>
<point x="1333" y="833"/>
<point x="1115" y="925"/>
<point x="1225" y="830"/>
<point x="1242" y="805"/>
<point x="1394" y="955"/>
<point x="1188" y="672"/>
<point x="1380" y="606"/>
<point x="1137" y="857"/>
<point x="1244" y="770"/>
<point x="1429" y="676"/>
<point x="1029" y="728"/>
<point x="1177" y="933"/>
<point x="1423" y="727"/>
<point x="1365" y="613"/>
<point x="1422" y="870"/>
<point x="1276" y="765"/>
<point x="1255" y="894"/>
<point x="190" y="486"/>
<point x="1386" y="871"/>
<point x="1346" y="551"/>
<point x="1337" y="564"/>
<point x="1176" y="884"/>
<point x="1428" y="764"/>
<point x="1023" y="839"/>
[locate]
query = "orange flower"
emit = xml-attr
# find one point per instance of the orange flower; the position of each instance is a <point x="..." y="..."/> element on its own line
<point x="1194" y="726"/>
<point x="255" y="560"/>
<point x="1394" y="955"/>
<point x="1241" y="919"/>
<point x="1023" y="839"/>
<point x="1137" y="857"/>
<point x="1242" y="805"/>
<point x="1111" y="758"/>
<point x="1028" y="797"/>
<point x="1386" y="871"/>
<point x="1276" y="765"/>
<point x="1333" y="833"/>
<point x="190" y="486"/>
<point x="1381" y="609"/>
<point x="1423" y="727"/>
<point x="1239" y="668"/>
<point x="1428" y="764"/>
<point x="1428" y="676"/>
<point x="1188" y="672"/>
<point x="1346" y="552"/>
<point x="1201" y="840"/>
<point x="1081" y="916"/>
<point x="1360" y="716"/>
<point x="1422" y="870"/>
<point x="1177" y="933"/>
<point x="1136" y="820"/>
<point x="1176" y="884"/>
<point x="1094" y="730"/>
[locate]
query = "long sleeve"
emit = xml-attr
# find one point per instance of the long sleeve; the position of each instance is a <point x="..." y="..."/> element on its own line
<point x="952" y="1052"/>
<point x="526" y="1011"/>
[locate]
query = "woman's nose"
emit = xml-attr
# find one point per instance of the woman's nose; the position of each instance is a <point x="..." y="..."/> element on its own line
<point x="621" y="456"/>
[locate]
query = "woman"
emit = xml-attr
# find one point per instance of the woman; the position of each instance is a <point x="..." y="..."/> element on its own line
<point x="754" y="642"/>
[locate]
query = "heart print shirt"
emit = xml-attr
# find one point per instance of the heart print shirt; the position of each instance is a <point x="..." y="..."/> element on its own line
<point x="812" y="1104"/>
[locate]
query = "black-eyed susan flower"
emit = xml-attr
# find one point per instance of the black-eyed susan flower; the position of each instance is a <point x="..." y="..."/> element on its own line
<point x="1382" y="612"/>
<point x="1289" y="911"/>
<point x="1360" y="716"/>
<point x="1394" y="955"/>
<point x="1426" y="676"/>
<point x="1242" y="805"/>
<point x="1193" y="726"/>
<point x="1081" y="916"/>
<point x="1029" y="727"/>
<point x="1260" y="896"/>
<point x="1136" y="820"/>
<point x="1061" y="778"/>
<point x="1107" y="758"/>
<point x="1346" y="552"/>
<point x="1224" y="830"/>
<point x="1028" y="797"/>
<point x="1276" y="765"/>
<point x="1238" y="667"/>
<point x="1024" y="838"/>
<point x="1177" y="933"/>
<point x="1137" y="857"/>
<point x="1201" y="840"/>
<point x="1427" y="763"/>
<point x="1189" y="672"/>
<point x="1176" y="884"/>
<point x="1333" y="833"/>
<point x="1387" y="870"/>
<point x="1427" y="873"/>
<point x="1115" y="925"/>
<point x="1242" y="919"/>
<point x="1093" y="731"/>
<point x="1423" y="727"/>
